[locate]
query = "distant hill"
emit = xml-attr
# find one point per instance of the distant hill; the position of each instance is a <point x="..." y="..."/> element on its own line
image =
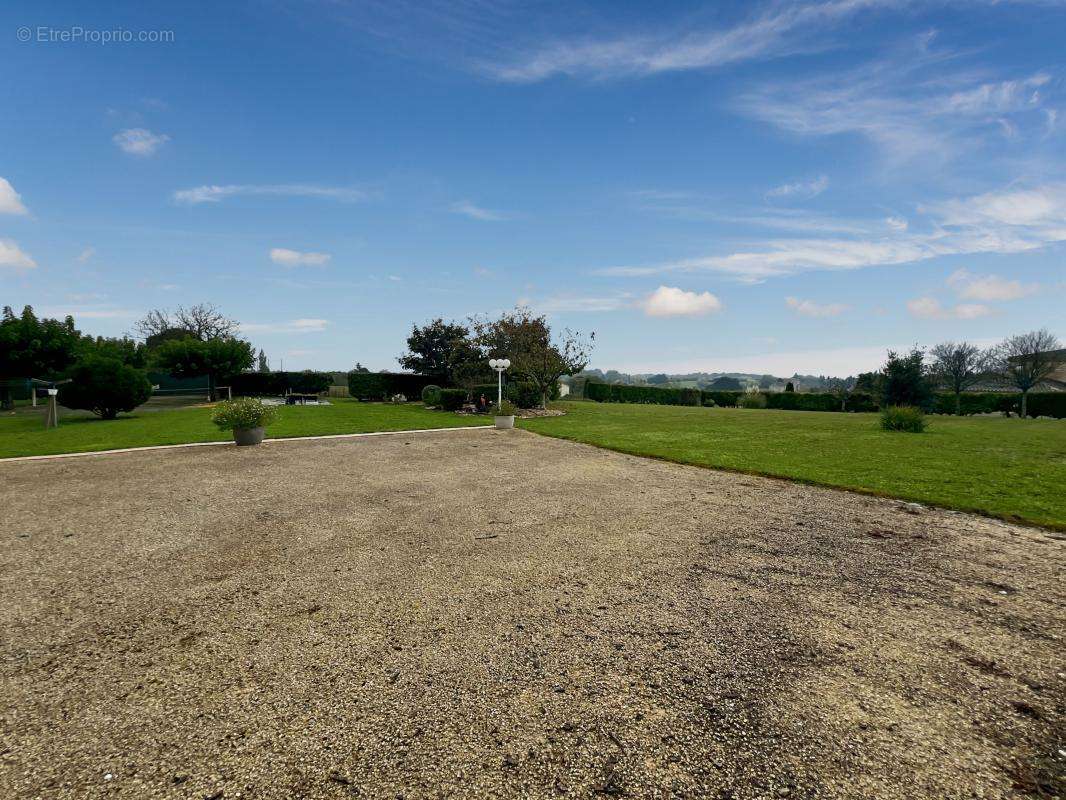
<point x="703" y="380"/>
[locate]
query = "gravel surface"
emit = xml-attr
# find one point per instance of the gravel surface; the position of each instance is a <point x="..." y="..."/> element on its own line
<point x="495" y="614"/>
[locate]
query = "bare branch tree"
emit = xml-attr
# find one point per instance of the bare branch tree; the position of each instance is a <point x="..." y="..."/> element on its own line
<point x="203" y="321"/>
<point x="1026" y="360"/>
<point x="957" y="366"/>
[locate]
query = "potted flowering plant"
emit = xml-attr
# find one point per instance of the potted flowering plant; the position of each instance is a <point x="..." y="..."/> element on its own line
<point x="504" y="413"/>
<point x="247" y="417"/>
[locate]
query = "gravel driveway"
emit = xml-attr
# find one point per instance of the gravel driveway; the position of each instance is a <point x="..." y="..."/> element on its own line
<point x="496" y="614"/>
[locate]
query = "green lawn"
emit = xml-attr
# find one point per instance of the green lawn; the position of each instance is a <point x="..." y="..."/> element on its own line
<point x="24" y="434"/>
<point x="1008" y="468"/>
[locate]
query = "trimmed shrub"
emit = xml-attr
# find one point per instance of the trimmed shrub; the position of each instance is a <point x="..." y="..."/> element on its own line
<point x="903" y="418"/>
<point x="431" y="394"/>
<point x="1046" y="404"/>
<point x="104" y="386"/>
<point x="242" y="414"/>
<point x="752" y="400"/>
<point x="382" y="385"/>
<point x="504" y="409"/>
<point x="452" y="399"/>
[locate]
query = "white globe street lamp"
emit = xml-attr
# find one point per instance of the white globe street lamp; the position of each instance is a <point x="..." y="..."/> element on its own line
<point x="499" y="364"/>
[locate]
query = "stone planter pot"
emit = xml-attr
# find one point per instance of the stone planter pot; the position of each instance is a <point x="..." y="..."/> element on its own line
<point x="504" y="423"/>
<point x="245" y="437"/>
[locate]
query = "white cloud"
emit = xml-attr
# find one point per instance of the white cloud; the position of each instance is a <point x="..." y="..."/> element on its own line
<point x="931" y="308"/>
<point x="809" y="308"/>
<point x="669" y="301"/>
<point x="10" y="200"/>
<point x="782" y="30"/>
<point x="1011" y="221"/>
<point x="86" y="254"/>
<point x="914" y="103"/>
<point x="291" y="326"/>
<point x="811" y="188"/>
<point x="988" y="288"/>
<point x="897" y="223"/>
<point x="139" y="141"/>
<point x="570" y="303"/>
<point x="468" y="209"/>
<point x="215" y="194"/>
<point x="295" y="258"/>
<point x="11" y="255"/>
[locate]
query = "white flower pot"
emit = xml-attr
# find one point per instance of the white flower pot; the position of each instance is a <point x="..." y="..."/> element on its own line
<point x="503" y="423"/>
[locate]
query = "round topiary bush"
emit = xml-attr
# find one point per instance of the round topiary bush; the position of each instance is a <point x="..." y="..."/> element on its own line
<point x="431" y="395"/>
<point x="104" y="386"/>
<point x="903" y="418"/>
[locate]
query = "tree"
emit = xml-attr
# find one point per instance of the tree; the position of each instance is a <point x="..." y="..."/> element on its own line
<point x="262" y="363"/>
<point x="871" y="383"/>
<point x="125" y="349"/>
<point x="957" y="366"/>
<point x="216" y="358"/>
<point x="536" y="356"/>
<point x="842" y="389"/>
<point x="105" y="386"/>
<point x="655" y="380"/>
<point x="203" y="321"/>
<point x="441" y="348"/>
<point x="1026" y="360"/>
<point x="725" y="384"/>
<point x="359" y="368"/>
<point x="906" y="382"/>
<point x="32" y="348"/>
<point x="790" y="387"/>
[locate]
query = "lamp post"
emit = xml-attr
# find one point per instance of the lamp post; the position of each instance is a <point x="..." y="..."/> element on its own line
<point x="499" y="364"/>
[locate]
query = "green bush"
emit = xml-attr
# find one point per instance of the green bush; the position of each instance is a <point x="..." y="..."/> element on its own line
<point x="504" y="409"/>
<point x="104" y="386"/>
<point x="257" y="384"/>
<point x="431" y="394"/>
<point x="752" y="400"/>
<point x="383" y="385"/>
<point x="242" y="414"/>
<point x="903" y="418"/>
<point x="690" y="397"/>
<point x="1045" y="404"/>
<point x="452" y="399"/>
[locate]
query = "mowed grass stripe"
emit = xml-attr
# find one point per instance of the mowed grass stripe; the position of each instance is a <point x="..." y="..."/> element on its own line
<point x="1007" y="468"/>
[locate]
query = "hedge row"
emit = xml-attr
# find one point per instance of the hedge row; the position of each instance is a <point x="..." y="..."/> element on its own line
<point x="254" y="384"/>
<point x="383" y="385"/>
<point x="1043" y="404"/>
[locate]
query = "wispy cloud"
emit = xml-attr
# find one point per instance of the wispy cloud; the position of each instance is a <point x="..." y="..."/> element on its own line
<point x="85" y="254"/>
<point x="290" y="326"/>
<point x="572" y="303"/>
<point x="916" y="103"/>
<point x="215" y="194"/>
<point x="296" y="258"/>
<point x="931" y="308"/>
<point x="809" y="308"/>
<point x="782" y="29"/>
<point x="13" y="257"/>
<point x="670" y="301"/>
<point x="1008" y="221"/>
<point x="989" y="288"/>
<point x="804" y="189"/>
<point x="10" y="200"/>
<point x="468" y="209"/>
<point x="139" y="141"/>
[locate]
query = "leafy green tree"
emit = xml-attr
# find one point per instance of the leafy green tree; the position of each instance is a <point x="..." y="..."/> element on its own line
<point x="871" y="383"/>
<point x="906" y="382"/>
<point x="536" y="356"/>
<point x="216" y="358"/>
<point x="33" y="348"/>
<point x="724" y="383"/>
<point x="124" y="349"/>
<point x="105" y="386"/>
<point x="442" y="348"/>
<point x="262" y="365"/>
<point x="790" y="387"/>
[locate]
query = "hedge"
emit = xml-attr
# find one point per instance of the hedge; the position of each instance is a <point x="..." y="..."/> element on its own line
<point x="1046" y="404"/>
<point x="452" y="399"/>
<point x="1039" y="404"/>
<point x="720" y="397"/>
<point x="816" y="401"/>
<point x="383" y="385"/>
<point x="622" y="393"/>
<point x="256" y="384"/>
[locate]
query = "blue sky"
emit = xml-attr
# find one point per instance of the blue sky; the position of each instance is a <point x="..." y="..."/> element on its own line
<point x="760" y="187"/>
